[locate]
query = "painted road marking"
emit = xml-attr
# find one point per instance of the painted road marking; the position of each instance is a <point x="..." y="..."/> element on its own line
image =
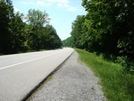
<point x="5" y="67"/>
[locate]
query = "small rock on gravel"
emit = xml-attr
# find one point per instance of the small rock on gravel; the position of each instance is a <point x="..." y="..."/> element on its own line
<point x="72" y="82"/>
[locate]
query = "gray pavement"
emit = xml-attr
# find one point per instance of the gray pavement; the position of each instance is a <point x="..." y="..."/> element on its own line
<point x="72" y="82"/>
<point x="21" y="73"/>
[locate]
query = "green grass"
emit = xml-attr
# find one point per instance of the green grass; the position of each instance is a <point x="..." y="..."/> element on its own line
<point x="117" y="85"/>
<point x="49" y="78"/>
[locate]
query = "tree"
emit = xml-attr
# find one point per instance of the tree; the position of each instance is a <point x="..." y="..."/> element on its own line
<point x="52" y="40"/>
<point x="18" y="36"/>
<point x="68" y="42"/>
<point x="110" y="27"/>
<point x="18" y="33"/>
<point x="106" y="29"/>
<point x="78" y="35"/>
<point x="6" y="14"/>
<point x="37" y="19"/>
<point x="42" y="35"/>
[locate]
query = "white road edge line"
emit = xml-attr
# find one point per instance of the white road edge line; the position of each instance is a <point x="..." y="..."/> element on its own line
<point x="27" y="61"/>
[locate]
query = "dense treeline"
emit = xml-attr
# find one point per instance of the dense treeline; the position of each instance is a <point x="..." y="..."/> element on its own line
<point x="107" y="28"/>
<point x="20" y="34"/>
<point x="67" y="42"/>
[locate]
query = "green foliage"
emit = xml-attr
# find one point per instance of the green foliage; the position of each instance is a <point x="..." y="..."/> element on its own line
<point x="18" y="36"/>
<point x="52" y="39"/>
<point x="79" y="32"/>
<point x="42" y="35"/>
<point x="37" y="18"/>
<point x="126" y="62"/>
<point x="106" y="29"/>
<point x="67" y="42"/>
<point x="6" y="15"/>
<point x="111" y="27"/>
<point x="117" y="84"/>
<point x="17" y="31"/>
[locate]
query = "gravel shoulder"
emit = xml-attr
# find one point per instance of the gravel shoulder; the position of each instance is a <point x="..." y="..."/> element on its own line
<point x="72" y="82"/>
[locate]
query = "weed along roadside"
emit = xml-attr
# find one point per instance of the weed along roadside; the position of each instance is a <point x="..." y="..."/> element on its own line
<point x="117" y="85"/>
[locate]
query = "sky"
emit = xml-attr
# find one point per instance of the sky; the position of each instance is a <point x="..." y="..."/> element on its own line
<point x="61" y="12"/>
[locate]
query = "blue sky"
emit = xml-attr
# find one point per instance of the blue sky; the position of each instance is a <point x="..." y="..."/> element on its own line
<point x="61" y="12"/>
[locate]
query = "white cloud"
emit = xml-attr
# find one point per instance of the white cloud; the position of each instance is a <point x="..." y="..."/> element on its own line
<point x="46" y="3"/>
<point x="53" y="21"/>
<point x="58" y="1"/>
<point x="24" y="2"/>
<point x="16" y="9"/>
<point x="24" y="17"/>
<point x="42" y="3"/>
<point x="27" y="2"/>
<point x="72" y="9"/>
<point x="31" y="3"/>
<point x="66" y="5"/>
<point x="63" y="5"/>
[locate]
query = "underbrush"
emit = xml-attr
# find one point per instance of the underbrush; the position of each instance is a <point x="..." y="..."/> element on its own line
<point x="117" y="84"/>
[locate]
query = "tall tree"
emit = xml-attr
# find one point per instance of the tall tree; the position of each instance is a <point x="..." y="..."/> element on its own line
<point x="6" y="14"/>
<point x="37" y="19"/>
<point x="110" y="27"/>
<point x="78" y="29"/>
<point x="68" y="42"/>
<point x="50" y="39"/>
<point x="18" y="33"/>
<point x="42" y="35"/>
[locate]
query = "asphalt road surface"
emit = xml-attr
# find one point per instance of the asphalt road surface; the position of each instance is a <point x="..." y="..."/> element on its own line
<point x="21" y="73"/>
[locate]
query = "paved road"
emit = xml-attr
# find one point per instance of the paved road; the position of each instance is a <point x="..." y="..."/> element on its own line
<point x="73" y="82"/>
<point x="20" y="73"/>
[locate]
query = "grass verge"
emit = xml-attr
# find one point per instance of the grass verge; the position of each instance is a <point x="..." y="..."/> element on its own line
<point x="117" y="85"/>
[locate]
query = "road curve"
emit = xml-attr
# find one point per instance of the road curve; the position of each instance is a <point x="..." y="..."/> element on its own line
<point x="20" y="73"/>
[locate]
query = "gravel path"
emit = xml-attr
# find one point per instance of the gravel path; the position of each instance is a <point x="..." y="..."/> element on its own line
<point x="72" y="82"/>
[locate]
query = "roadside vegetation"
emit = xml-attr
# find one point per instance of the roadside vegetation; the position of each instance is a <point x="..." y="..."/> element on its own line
<point x="106" y="29"/>
<point x="23" y="33"/>
<point x="117" y="84"/>
<point x="106" y="32"/>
